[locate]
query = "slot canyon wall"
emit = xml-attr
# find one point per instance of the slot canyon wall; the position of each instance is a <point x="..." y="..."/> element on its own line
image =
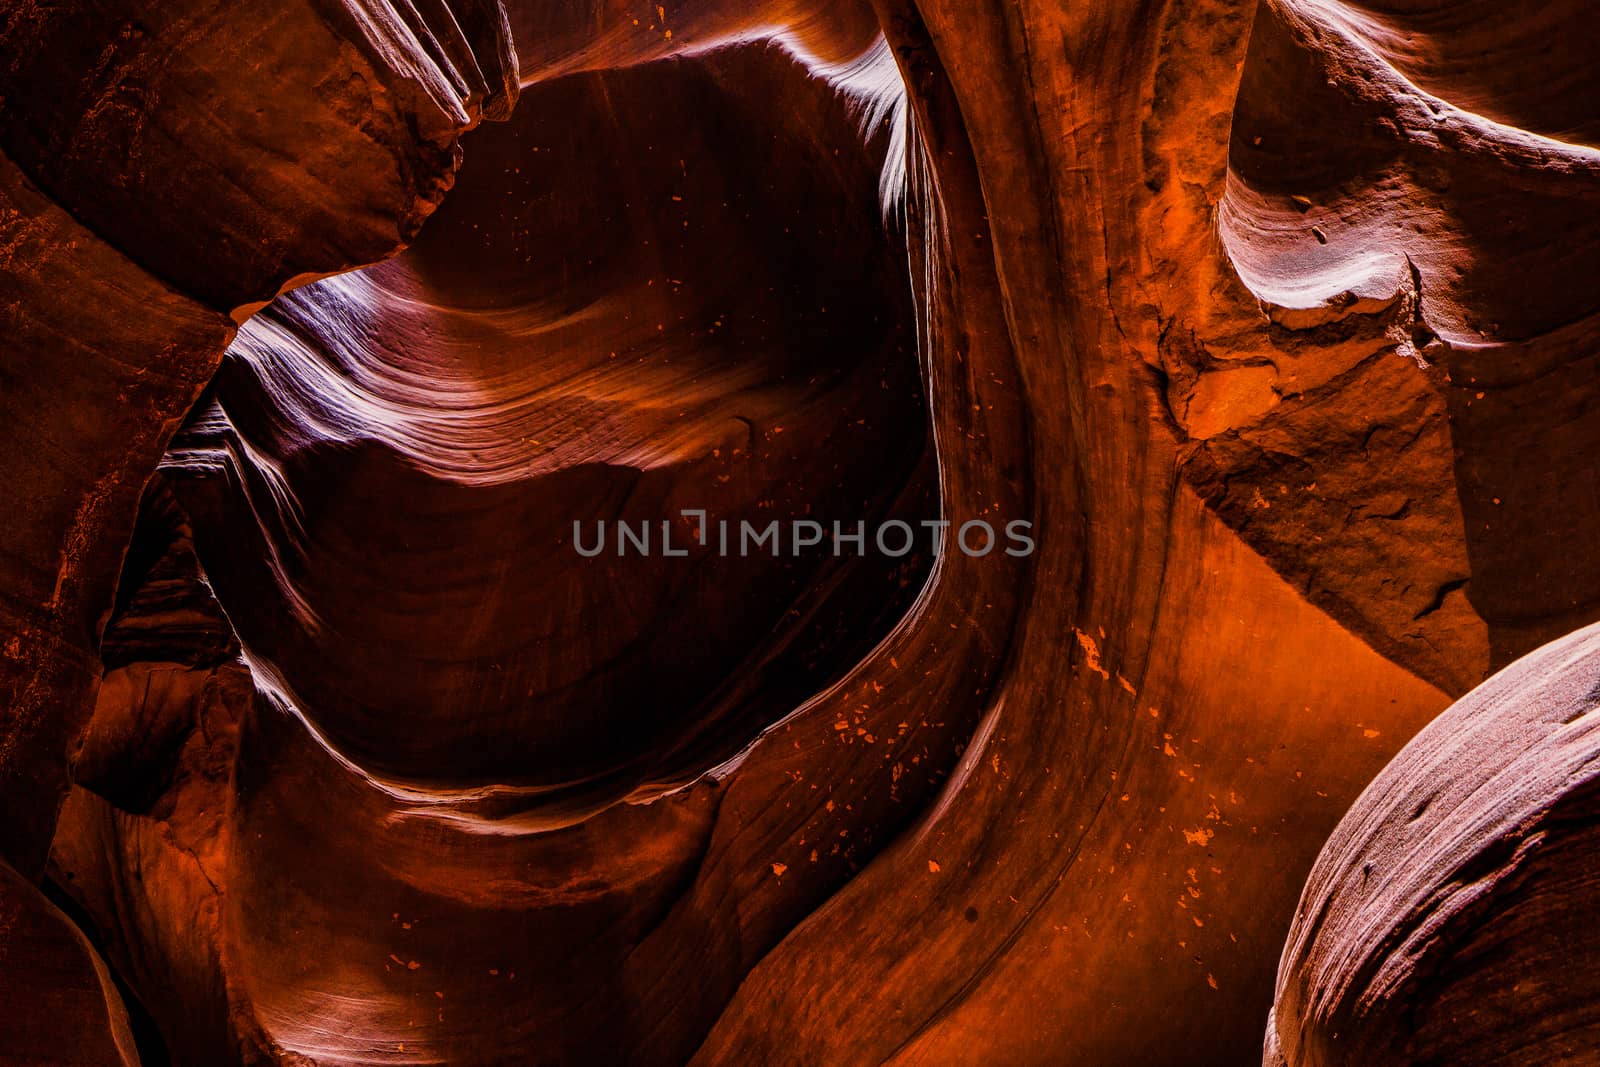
<point x="328" y="328"/>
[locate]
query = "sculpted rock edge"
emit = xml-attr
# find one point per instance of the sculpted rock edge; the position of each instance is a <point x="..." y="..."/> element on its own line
<point x="327" y="737"/>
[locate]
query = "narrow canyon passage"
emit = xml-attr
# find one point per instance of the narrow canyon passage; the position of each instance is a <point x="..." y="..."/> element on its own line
<point x="337" y="330"/>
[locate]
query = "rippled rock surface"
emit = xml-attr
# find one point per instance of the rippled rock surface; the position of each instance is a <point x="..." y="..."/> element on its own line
<point x="336" y="333"/>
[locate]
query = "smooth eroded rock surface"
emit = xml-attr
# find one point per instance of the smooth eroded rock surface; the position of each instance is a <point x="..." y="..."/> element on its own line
<point x="324" y="739"/>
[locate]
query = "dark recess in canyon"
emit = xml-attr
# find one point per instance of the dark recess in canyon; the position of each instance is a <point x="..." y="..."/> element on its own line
<point x="322" y="322"/>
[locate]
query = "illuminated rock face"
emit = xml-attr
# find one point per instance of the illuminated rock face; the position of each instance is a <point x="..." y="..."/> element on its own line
<point x="1455" y="894"/>
<point x="167" y="167"/>
<point x="1273" y="323"/>
<point x="615" y="318"/>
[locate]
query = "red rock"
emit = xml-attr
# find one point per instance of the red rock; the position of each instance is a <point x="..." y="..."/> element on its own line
<point x="1275" y="322"/>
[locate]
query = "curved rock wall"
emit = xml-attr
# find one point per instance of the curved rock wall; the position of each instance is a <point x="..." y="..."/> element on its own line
<point x="325" y="740"/>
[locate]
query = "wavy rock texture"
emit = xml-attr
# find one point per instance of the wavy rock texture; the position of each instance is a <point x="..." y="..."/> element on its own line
<point x="1454" y="896"/>
<point x="1273" y="320"/>
<point x="164" y="168"/>
<point x="1346" y="177"/>
<point x="565" y="346"/>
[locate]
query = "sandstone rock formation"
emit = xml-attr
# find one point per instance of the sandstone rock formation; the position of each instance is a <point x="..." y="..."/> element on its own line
<point x="1448" y="918"/>
<point x="322" y="741"/>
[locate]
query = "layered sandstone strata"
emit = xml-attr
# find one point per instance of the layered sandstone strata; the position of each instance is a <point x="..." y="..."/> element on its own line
<point x="1272" y="323"/>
